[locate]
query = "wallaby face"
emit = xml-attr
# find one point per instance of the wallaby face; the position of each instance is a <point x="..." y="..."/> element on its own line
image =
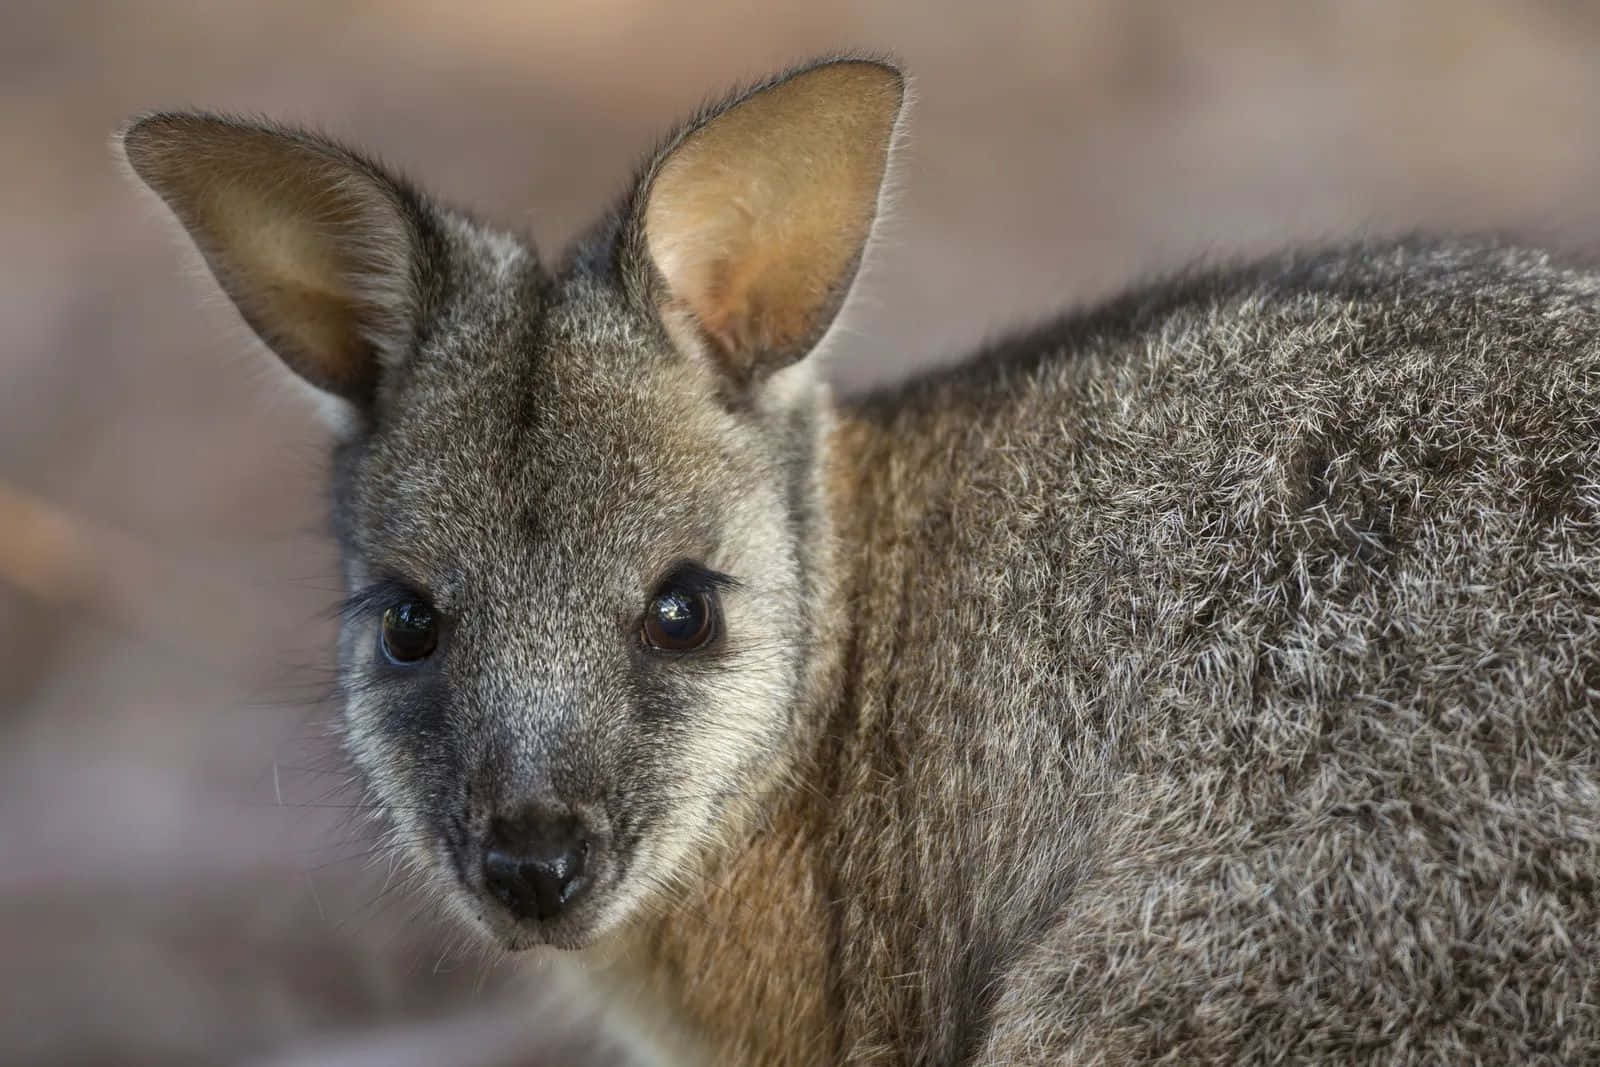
<point x="576" y="504"/>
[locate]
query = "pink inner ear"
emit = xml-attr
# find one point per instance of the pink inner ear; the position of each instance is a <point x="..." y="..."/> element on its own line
<point x="756" y="220"/>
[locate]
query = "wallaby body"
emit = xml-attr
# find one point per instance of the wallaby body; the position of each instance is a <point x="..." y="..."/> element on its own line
<point x="1219" y="685"/>
<point x="1209" y="678"/>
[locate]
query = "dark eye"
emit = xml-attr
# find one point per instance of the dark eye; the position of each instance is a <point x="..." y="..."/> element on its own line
<point x="410" y="632"/>
<point x="680" y="619"/>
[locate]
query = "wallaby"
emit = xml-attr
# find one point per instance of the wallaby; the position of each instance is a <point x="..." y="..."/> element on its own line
<point x="1209" y="677"/>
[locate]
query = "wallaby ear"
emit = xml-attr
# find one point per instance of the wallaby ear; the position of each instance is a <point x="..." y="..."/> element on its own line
<point x="318" y="248"/>
<point x="754" y="219"/>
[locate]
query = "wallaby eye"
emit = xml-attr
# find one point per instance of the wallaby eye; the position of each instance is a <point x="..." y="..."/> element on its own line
<point x="680" y="619"/>
<point x="410" y="632"/>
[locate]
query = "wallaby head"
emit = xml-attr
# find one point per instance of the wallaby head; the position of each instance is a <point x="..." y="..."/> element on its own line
<point x="578" y="506"/>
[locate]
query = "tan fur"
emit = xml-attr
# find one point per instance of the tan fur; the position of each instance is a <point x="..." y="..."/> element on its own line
<point x="742" y="962"/>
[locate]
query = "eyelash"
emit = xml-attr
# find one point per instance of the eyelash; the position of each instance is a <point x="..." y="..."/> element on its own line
<point x="692" y="577"/>
<point x="379" y="597"/>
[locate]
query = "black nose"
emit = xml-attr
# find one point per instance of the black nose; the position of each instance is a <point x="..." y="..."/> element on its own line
<point x="534" y="863"/>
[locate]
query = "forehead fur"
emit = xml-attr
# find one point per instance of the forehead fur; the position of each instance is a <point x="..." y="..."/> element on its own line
<point x="542" y="423"/>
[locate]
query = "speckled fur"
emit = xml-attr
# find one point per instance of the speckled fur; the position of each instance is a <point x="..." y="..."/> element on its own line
<point x="1229" y="688"/>
<point x="1209" y="678"/>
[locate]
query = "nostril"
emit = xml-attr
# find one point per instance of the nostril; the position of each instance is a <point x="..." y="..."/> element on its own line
<point x="535" y="866"/>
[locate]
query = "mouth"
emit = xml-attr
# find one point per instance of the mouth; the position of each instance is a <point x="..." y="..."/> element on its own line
<point x="572" y="930"/>
<point x="518" y="939"/>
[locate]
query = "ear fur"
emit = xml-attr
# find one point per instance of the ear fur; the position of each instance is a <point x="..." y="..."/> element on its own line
<point x="318" y="248"/>
<point x="749" y="225"/>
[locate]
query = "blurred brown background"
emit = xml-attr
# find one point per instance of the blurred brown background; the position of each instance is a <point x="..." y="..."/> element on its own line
<point x="178" y="879"/>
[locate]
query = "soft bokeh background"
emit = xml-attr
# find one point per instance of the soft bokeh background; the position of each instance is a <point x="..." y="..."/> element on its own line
<point x="178" y="881"/>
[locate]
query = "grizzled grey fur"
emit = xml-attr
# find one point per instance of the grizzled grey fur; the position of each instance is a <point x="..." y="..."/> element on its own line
<point x="1211" y="677"/>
